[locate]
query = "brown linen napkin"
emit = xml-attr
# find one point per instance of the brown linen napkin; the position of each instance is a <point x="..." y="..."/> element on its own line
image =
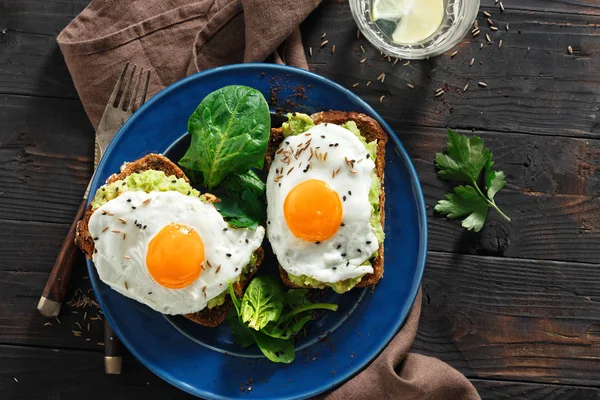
<point x="398" y="374"/>
<point x="176" y="38"/>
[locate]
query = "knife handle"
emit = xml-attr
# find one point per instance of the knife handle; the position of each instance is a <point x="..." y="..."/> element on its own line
<point x="112" y="351"/>
<point x="57" y="285"/>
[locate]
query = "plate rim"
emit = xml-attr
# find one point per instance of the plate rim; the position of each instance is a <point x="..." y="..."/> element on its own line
<point x="337" y="380"/>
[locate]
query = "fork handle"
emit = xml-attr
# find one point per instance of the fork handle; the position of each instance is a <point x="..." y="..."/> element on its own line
<point x="57" y="285"/>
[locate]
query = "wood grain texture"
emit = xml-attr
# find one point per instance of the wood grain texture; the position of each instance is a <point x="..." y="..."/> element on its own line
<point x="34" y="373"/>
<point x="46" y="158"/>
<point x="534" y="84"/>
<point x="500" y="390"/>
<point x="521" y="320"/>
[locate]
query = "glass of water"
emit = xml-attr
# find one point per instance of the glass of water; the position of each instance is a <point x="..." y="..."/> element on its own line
<point x="414" y="29"/>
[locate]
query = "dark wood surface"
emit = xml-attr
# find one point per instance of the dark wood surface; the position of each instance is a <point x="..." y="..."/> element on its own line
<point x="516" y="308"/>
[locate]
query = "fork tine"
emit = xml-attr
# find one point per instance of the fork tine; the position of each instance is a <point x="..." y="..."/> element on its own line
<point x="135" y="90"/>
<point x="127" y="86"/>
<point x="145" y="92"/>
<point x="113" y="96"/>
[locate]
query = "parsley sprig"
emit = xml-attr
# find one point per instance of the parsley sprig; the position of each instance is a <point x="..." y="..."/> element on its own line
<point x="464" y="162"/>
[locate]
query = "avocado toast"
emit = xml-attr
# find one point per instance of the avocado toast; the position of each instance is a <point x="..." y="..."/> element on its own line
<point x="160" y="165"/>
<point x="371" y="131"/>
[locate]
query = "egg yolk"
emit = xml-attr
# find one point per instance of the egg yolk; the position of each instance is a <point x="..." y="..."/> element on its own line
<point x="175" y="256"/>
<point x="313" y="211"/>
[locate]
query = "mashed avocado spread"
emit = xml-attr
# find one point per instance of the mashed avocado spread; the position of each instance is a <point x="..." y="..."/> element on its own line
<point x="158" y="181"/>
<point x="299" y="123"/>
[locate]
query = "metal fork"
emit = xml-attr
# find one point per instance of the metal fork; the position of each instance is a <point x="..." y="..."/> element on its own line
<point x="112" y="120"/>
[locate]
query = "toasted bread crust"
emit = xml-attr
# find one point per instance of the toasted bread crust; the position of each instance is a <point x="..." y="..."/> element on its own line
<point x="370" y="130"/>
<point x="207" y="317"/>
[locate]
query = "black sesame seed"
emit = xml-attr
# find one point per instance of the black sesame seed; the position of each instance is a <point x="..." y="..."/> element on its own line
<point x="224" y="229"/>
<point x="236" y="269"/>
<point x="344" y="198"/>
<point x="129" y="200"/>
<point x="334" y="268"/>
<point x="322" y="136"/>
<point x="133" y="207"/>
<point x="326" y="124"/>
<point x="338" y="246"/>
<point x="359" y="250"/>
<point x="331" y="145"/>
<point x="96" y="238"/>
<point x="336" y="145"/>
<point x="124" y="183"/>
<point x="286" y="142"/>
<point x="103" y="189"/>
<point x="247" y="241"/>
<point x="95" y="250"/>
<point x="174" y="181"/>
<point x="228" y="254"/>
<point x="149" y="292"/>
<point x="279" y="184"/>
<point x="350" y="192"/>
<point x="135" y="222"/>
<point x="144" y="226"/>
<point x="348" y="263"/>
<point x="343" y="254"/>
<point x="343" y="224"/>
<point x="188" y="193"/>
<point x="317" y="242"/>
<point x="268" y="222"/>
<point x="103" y="212"/>
<point x="117" y="189"/>
<point x="368" y="242"/>
<point x="368" y="156"/>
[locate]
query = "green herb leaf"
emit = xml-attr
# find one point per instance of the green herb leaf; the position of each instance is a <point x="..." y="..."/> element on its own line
<point x="262" y="302"/>
<point x="242" y="335"/>
<point x="464" y="162"/>
<point x="465" y="159"/>
<point x="242" y="202"/>
<point x="276" y="350"/>
<point x="230" y="132"/>
<point x="466" y="201"/>
<point x="234" y="299"/>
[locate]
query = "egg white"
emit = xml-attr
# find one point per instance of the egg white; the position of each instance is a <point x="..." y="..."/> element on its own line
<point x="120" y="257"/>
<point x="340" y="257"/>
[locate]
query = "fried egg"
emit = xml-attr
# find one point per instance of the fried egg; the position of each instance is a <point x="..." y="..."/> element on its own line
<point x="318" y="206"/>
<point x="169" y="251"/>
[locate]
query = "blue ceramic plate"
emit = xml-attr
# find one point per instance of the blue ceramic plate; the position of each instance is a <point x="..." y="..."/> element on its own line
<point x="205" y="361"/>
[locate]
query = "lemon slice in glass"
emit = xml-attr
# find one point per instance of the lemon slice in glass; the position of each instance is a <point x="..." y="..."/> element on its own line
<point x="416" y="19"/>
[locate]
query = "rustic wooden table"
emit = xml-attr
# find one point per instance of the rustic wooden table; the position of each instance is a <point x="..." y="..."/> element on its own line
<point x="516" y="308"/>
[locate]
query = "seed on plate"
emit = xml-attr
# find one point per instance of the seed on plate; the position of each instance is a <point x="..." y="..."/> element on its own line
<point x="358" y="33"/>
<point x="480" y="46"/>
<point x="489" y="20"/>
<point x="333" y="49"/>
<point x="310" y="51"/>
<point x="501" y="7"/>
<point x="476" y="24"/>
<point x="406" y="63"/>
<point x="466" y="87"/>
<point x="453" y="54"/>
<point x="482" y="84"/>
<point x="48" y="324"/>
<point x="100" y="343"/>
<point x="500" y="44"/>
<point x="78" y="324"/>
<point x="439" y="93"/>
<point x="487" y="14"/>
<point x="410" y="85"/>
<point x="356" y="84"/>
<point x="506" y="27"/>
<point x="57" y="320"/>
<point x="477" y="31"/>
<point x="324" y="43"/>
<point x="472" y="61"/>
<point x="389" y="59"/>
<point x="487" y="37"/>
<point x="362" y="60"/>
<point x="381" y="98"/>
<point x="381" y="76"/>
<point x="362" y="48"/>
<point x="88" y="324"/>
<point x="570" y="50"/>
<point x="395" y="61"/>
<point x="323" y="35"/>
<point x="368" y="84"/>
<point x="494" y="28"/>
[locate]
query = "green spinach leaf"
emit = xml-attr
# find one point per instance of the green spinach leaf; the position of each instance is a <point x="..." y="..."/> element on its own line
<point x="242" y="335"/>
<point x="262" y="302"/>
<point x="230" y="132"/>
<point x="276" y="350"/>
<point x="242" y="202"/>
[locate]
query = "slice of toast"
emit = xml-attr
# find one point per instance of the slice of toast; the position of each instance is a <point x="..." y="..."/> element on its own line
<point x="207" y="317"/>
<point x="370" y="130"/>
